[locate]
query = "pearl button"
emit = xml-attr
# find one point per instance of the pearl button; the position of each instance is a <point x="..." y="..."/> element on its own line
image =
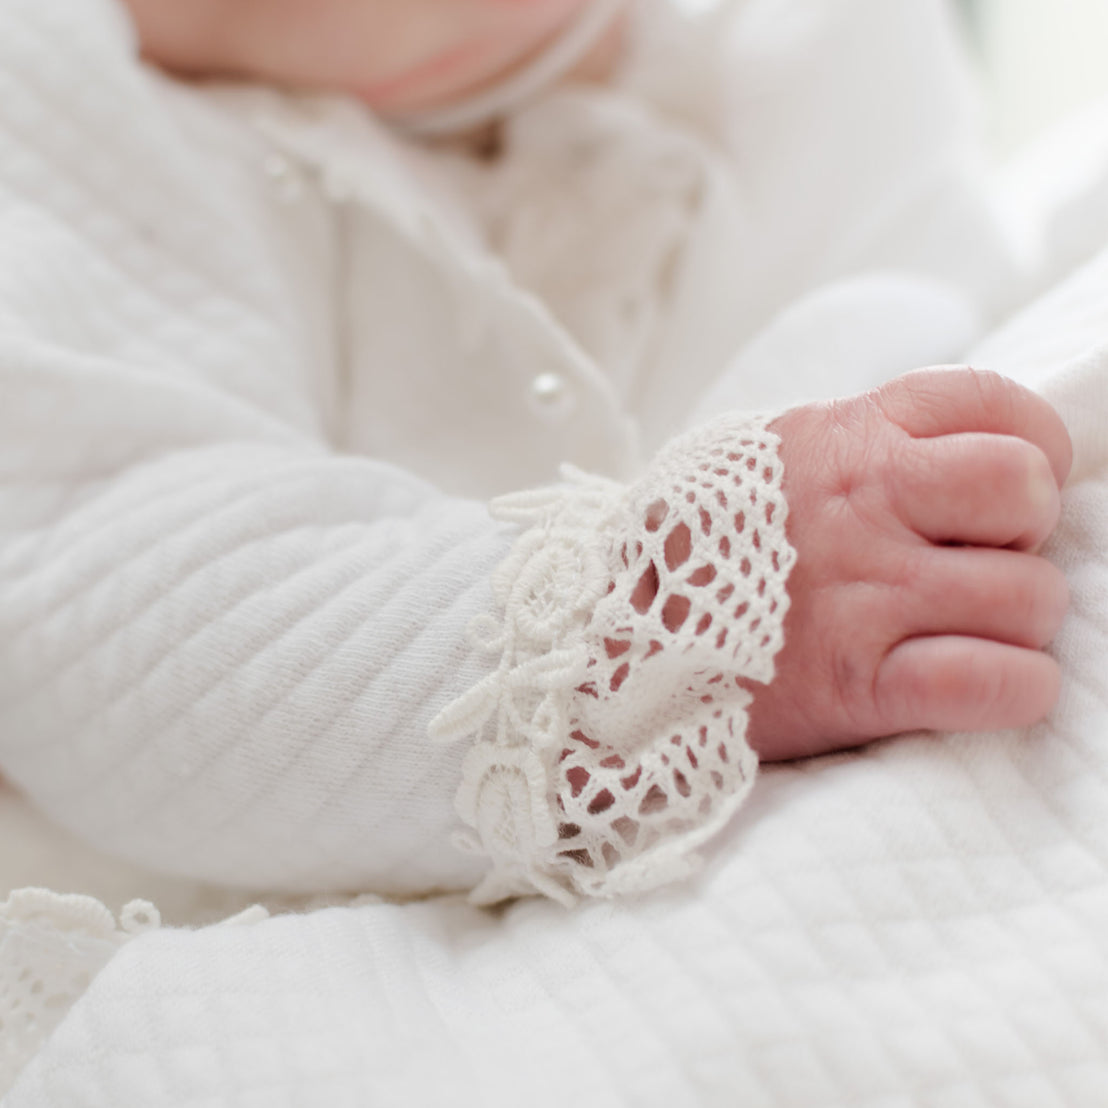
<point x="551" y="395"/>
<point x="285" y="177"/>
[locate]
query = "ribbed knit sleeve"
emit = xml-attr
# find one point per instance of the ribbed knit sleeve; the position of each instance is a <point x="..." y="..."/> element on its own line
<point x="221" y="640"/>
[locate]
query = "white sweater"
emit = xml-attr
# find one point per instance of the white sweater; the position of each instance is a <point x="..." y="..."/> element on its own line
<point x="261" y="365"/>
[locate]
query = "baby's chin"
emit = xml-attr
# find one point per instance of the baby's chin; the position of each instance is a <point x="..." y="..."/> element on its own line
<point x="494" y="49"/>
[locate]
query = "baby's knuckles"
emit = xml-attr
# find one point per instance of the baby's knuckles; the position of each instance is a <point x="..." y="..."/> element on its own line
<point x="853" y="561"/>
<point x="859" y="565"/>
<point x="837" y="457"/>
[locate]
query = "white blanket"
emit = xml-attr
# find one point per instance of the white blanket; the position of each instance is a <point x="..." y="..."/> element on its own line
<point x="925" y="922"/>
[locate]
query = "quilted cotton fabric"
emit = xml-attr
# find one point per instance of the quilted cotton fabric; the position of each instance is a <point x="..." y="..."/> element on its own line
<point x="184" y="518"/>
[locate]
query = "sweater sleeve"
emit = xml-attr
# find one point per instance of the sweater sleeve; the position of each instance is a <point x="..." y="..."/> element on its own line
<point x="221" y="639"/>
<point x="220" y="653"/>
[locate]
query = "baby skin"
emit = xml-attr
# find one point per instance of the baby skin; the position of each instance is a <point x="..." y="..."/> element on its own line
<point x="919" y="599"/>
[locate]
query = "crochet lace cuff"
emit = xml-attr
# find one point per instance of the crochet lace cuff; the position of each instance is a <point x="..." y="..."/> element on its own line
<point x="610" y="741"/>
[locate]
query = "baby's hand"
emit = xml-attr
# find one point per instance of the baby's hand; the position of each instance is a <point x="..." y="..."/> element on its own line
<point x="918" y="599"/>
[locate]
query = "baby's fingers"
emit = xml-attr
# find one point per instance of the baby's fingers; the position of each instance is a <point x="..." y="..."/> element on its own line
<point x="933" y="402"/>
<point x="951" y="683"/>
<point x="987" y="594"/>
<point x="979" y="489"/>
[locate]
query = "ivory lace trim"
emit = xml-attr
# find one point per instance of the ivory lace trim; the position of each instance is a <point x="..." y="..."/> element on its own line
<point x="51" y="947"/>
<point x="610" y="741"/>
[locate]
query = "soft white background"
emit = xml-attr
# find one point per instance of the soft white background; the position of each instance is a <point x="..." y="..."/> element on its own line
<point x="1043" y="59"/>
<point x="1040" y="59"/>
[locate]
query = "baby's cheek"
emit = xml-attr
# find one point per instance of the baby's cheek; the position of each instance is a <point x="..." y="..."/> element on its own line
<point x="564" y="4"/>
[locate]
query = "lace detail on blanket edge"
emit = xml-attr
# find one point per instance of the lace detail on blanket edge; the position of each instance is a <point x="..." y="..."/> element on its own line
<point x="51" y="947"/>
<point x="610" y="741"/>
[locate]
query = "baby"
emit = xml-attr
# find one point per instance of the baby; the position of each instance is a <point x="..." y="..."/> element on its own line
<point x="918" y="600"/>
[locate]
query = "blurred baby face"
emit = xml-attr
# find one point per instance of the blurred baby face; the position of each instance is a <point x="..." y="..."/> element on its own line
<point x="432" y="49"/>
<point x="398" y="55"/>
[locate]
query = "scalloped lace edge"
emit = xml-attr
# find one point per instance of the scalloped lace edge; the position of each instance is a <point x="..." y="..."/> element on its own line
<point x="548" y="592"/>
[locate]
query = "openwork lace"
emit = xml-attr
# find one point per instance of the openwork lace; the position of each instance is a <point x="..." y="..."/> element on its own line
<point x="610" y="740"/>
<point x="51" y="947"/>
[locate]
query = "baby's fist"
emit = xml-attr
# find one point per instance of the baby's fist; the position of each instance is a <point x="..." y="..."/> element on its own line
<point x="919" y="599"/>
